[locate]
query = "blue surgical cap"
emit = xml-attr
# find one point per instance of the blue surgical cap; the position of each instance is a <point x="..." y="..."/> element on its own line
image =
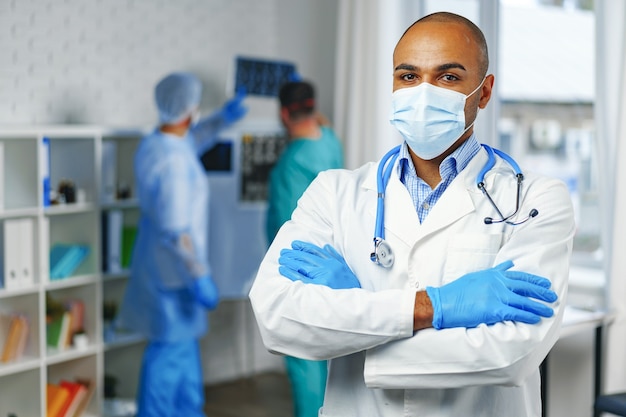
<point x="176" y="96"/>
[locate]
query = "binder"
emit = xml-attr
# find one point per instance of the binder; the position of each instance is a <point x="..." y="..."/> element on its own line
<point x="112" y="226"/>
<point x="17" y="257"/>
<point x="12" y="253"/>
<point x="129" y="235"/>
<point x="1" y="176"/>
<point x="108" y="188"/>
<point x="44" y="170"/>
<point x="27" y="255"/>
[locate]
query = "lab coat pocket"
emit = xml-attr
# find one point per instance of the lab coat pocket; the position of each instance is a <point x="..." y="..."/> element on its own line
<point x="470" y="252"/>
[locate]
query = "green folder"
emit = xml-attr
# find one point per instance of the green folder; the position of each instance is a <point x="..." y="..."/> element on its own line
<point x="129" y="233"/>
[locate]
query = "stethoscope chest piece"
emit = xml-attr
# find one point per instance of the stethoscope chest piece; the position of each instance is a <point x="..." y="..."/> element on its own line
<point x="382" y="255"/>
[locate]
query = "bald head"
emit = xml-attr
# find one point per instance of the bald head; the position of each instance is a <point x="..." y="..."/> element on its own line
<point x="474" y="31"/>
<point x="447" y="51"/>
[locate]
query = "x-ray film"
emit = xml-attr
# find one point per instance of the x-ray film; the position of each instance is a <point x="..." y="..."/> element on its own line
<point x="262" y="77"/>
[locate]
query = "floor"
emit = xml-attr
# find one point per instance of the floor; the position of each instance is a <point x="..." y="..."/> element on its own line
<point x="263" y="395"/>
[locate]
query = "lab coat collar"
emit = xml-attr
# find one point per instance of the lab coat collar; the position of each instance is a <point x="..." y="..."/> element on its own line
<point x="401" y="217"/>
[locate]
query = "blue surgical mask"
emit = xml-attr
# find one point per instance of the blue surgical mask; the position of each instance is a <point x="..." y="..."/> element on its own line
<point x="429" y="118"/>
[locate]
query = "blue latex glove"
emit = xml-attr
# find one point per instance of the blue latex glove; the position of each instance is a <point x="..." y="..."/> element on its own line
<point x="294" y="77"/>
<point x="234" y="109"/>
<point x="491" y="296"/>
<point x="206" y="292"/>
<point x="314" y="265"/>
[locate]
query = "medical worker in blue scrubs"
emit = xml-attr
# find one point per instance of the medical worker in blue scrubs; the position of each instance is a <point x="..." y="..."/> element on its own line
<point x="313" y="147"/>
<point x="171" y="287"/>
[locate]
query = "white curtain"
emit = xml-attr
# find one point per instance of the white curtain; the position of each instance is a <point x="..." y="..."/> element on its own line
<point x="610" y="119"/>
<point x="368" y="31"/>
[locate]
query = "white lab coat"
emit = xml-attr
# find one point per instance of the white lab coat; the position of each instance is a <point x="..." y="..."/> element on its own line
<point x="379" y="366"/>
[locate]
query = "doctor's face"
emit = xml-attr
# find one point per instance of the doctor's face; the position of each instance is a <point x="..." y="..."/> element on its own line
<point x="444" y="54"/>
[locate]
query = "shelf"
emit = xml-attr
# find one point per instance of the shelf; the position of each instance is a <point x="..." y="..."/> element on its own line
<point x="118" y="407"/>
<point x="19" y="212"/>
<point x="72" y="281"/>
<point x="121" y="204"/>
<point x="5" y="293"/>
<point x="43" y="158"/>
<point x="123" y="274"/>
<point x="55" y="356"/>
<point x="20" y="172"/>
<point x="71" y="208"/>
<point x="20" y="393"/>
<point x="21" y="365"/>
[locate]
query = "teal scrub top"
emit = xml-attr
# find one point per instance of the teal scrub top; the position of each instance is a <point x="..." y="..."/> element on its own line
<point x="295" y="169"/>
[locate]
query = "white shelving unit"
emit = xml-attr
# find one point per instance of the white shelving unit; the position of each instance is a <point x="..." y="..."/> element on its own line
<point x="75" y="153"/>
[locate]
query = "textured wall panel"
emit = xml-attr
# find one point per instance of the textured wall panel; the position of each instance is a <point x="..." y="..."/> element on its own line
<point x="96" y="61"/>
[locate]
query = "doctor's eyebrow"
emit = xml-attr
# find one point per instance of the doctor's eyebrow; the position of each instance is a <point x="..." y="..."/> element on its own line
<point x="406" y="67"/>
<point x="443" y="67"/>
<point x="451" y="65"/>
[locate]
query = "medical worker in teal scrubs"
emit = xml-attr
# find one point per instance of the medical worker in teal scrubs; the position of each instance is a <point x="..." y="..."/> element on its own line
<point x="171" y="287"/>
<point x="312" y="147"/>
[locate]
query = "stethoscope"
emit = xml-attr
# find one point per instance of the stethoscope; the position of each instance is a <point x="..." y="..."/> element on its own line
<point x="383" y="254"/>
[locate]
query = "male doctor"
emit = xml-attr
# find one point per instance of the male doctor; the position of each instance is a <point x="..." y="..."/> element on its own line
<point x="460" y="322"/>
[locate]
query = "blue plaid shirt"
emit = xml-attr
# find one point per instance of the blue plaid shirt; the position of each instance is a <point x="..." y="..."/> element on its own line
<point x="424" y="198"/>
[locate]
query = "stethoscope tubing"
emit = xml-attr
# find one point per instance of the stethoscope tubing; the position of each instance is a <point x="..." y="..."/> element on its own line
<point x="383" y="174"/>
<point x="382" y="179"/>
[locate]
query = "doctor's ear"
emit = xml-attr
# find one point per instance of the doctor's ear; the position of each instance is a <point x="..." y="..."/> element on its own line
<point x="485" y="91"/>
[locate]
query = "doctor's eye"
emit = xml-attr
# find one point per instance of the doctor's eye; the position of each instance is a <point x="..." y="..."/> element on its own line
<point x="408" y="77"/>
<point x="449" y="78"/>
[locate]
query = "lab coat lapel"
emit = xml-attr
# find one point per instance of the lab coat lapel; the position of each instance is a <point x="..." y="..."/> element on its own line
<point x="457" y="201"/>
<point x="400" y="216"/>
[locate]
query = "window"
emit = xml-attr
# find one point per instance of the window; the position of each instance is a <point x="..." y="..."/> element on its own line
<point x="546" y="66"/>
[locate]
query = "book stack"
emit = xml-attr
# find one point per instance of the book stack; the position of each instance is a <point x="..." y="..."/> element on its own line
<point x="64" y="321"/>
<point x="58" y="332"/>
<point x="13" y="336"/>
<point x="68" y="398"/>
<point x="65" y="258"/>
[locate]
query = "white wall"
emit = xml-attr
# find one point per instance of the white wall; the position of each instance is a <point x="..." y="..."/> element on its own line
<point x="96" y="62"/>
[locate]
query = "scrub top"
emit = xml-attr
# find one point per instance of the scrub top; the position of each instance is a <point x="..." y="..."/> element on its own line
<point x="295" y="169"/>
